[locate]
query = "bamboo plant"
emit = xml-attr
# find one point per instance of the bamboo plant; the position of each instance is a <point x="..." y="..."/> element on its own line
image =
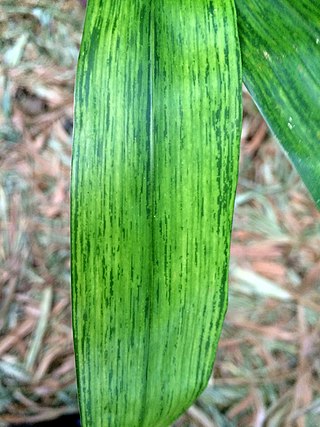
<point x="155" y="161"/>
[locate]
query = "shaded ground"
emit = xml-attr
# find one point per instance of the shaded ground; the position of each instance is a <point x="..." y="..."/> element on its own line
<point x="268" y="365"/>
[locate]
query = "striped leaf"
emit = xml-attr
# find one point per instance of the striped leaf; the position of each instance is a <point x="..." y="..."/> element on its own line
<point x="155" y="159"/>
<point x="280" y="44"/>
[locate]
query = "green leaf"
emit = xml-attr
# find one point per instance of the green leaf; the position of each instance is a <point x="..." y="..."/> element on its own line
<point x="280" y="45"/>
<point x="155" y="160"/>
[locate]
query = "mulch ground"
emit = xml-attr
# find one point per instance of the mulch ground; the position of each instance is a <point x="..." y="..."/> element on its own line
<point x="268" y="363"/>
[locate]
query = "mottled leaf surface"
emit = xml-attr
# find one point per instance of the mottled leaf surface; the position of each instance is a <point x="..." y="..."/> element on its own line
<point x="280" y="46"/>
<point x="155" y="160"/>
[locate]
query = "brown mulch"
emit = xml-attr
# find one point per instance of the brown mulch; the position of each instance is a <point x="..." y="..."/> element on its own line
<point x="267" y="368"/>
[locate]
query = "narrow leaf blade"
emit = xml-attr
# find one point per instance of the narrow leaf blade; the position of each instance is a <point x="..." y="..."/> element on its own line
<point x="280" y="46"/>
<point x="155" y="159"/>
